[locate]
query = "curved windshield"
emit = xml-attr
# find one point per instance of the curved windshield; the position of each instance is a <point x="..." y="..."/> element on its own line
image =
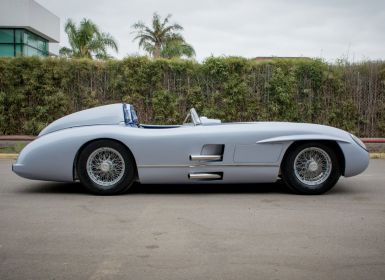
<point x="130" y="116"/>
<point x="195" y="117"/>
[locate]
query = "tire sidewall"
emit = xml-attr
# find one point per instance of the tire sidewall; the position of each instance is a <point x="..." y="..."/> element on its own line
<point x="295" y="184"/>
<point x="122" y="185"/>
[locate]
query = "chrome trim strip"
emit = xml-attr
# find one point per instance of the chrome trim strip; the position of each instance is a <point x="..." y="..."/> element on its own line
<point x="205" y="157"/>
<point x="199" y="176"/>
<point x="208" y="165"/>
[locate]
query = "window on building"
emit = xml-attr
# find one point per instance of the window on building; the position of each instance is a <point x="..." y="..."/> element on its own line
<point x="6" y="35"/>
<point x="21" y="42"/>
<point x="7" y="50"/>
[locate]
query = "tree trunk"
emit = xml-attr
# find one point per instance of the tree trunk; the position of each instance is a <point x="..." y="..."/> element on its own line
<point x="157" y="51"/>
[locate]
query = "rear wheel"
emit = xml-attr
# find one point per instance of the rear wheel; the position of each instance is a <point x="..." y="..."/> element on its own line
<point x="106" y="167"/>
<point x="311" y="168"/>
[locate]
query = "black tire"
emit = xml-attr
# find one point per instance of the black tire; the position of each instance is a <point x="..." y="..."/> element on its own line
<point x="126" y="178"/>
<point x="292" y="180"/>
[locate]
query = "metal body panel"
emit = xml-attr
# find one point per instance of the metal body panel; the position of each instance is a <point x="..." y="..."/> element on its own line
<point x="252" y="151"/>
<point x="356" y="160"/>
<point x="258" y="153"/>
<point x="109" y="114"/>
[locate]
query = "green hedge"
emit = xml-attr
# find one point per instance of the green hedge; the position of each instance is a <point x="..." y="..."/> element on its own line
<point x="35" y="91"/>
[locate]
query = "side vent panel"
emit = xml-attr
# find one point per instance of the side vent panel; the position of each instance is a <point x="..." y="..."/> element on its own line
<point x="213" y="149"/>
<point x="210" y="152"/>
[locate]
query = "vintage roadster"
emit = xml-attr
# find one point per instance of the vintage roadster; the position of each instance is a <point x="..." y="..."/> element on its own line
<point x="107" y="149"/>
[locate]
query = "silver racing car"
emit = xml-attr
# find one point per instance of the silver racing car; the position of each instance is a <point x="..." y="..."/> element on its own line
<point x="107" y="149"/>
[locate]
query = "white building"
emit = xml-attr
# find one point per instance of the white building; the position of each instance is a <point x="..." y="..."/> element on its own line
<point x="27" y="28"/>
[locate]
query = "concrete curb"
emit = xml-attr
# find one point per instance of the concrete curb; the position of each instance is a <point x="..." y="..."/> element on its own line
<point x="377" y="155"/>
<point x="8" y="156"/>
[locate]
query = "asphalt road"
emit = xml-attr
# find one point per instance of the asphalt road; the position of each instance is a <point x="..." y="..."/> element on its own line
<point x="58" y="231"/>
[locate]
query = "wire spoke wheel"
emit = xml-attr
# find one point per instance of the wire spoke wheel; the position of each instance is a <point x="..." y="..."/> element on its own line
<point x="312" y="166"/>
<point x="105" y="166"/>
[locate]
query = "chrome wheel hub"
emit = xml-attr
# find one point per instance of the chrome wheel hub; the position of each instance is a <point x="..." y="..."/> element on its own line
<point x="312" y="166"/>
<point x="105" y="166"/>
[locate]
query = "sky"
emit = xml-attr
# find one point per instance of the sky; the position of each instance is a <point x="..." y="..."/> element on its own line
<point x="328" y="29"/>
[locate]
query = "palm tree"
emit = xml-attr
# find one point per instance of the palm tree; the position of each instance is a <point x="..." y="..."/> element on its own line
<point x="162" y="39"/>
<point x="86" y="40"/>
<point x="177" y="47"/>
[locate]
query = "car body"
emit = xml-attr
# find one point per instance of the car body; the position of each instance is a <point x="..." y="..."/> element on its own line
<point x="204" y="151"/>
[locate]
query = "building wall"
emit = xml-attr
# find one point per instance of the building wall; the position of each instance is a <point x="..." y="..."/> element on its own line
<point x="32" y="16"/>
<point x="54" y="48"/>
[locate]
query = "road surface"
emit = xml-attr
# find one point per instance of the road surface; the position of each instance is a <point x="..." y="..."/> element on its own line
<point x="58" y="231"/>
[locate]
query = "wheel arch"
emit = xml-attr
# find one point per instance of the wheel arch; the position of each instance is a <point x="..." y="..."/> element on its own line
<point x="76" y="159"/>
<point x="330" y="143"/>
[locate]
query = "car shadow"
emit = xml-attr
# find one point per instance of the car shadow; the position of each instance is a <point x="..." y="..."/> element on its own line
<point x="277" y="187"/>
<point x="137" y="188"/>
<point x="174" y="189"/>
<point x="54" y="188"/>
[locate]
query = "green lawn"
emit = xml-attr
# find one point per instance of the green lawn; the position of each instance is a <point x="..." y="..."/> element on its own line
<point x="14" y="149"/>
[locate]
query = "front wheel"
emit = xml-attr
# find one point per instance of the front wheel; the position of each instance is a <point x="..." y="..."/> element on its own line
<point x="106" y="167"/>
<point x="310" y="168"/>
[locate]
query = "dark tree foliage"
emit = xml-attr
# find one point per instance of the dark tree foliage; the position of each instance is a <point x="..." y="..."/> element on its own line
<point x="35" y="91"/>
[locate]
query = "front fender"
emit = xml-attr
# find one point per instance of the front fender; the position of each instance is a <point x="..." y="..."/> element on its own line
<point x="356" y="158"/>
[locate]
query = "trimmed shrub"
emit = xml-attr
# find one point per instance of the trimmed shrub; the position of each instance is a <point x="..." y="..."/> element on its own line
<point x="35" y="91"/>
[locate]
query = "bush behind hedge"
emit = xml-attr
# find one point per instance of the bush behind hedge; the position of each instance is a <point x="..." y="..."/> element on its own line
<point x="35" y="91"/>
